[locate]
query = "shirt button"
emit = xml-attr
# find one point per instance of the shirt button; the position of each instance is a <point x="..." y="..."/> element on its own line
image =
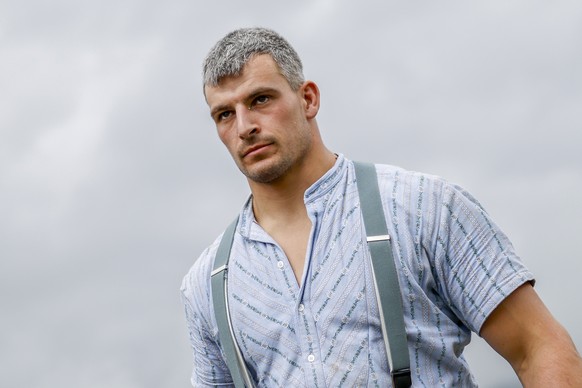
<point x="301" y="308"/>
<point x="280" y="264"/>
<point x="311" y="358"/>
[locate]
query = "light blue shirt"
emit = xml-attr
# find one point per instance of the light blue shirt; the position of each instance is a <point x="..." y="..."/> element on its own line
<point x="454" y="266"/>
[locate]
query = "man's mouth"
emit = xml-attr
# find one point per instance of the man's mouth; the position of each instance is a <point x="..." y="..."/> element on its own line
<point x="254" y="149"/>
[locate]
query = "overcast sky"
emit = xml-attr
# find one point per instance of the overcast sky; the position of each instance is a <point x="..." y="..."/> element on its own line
<point x="112" y="179"/>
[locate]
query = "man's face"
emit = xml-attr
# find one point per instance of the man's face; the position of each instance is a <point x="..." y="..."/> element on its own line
<point x="261" y="120"/>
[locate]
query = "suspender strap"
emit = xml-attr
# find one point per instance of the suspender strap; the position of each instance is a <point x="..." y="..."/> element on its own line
<point x="384" y="269"/>
<point x="234" y="359"/>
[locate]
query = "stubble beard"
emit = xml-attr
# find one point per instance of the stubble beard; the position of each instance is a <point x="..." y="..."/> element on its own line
<point x="277" y="165"/>
<point x="267" y="174"/>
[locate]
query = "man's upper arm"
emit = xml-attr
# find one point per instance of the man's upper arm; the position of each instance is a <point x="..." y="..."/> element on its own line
<point x="538" y="348"/>
<point x="475" y="263"/>
<point x="209" y="367"/>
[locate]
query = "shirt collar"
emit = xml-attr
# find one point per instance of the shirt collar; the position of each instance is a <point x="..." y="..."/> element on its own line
<point x="327" y="182"/>
<point x="247" y="225"/>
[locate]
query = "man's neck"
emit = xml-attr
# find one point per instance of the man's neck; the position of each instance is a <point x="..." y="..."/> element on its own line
<point x="283" y="201"/>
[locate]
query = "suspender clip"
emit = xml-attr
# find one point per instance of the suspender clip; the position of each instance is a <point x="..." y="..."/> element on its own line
<point x="218" y="270"/>
<point x="401" y="378"/>
<point x="381" y="237"/>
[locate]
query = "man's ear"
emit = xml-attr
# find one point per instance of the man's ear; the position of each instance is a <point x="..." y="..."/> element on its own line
<point x="309" y="92"/>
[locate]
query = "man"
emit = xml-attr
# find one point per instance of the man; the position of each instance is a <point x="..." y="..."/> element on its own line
<point x="302" y="300"/>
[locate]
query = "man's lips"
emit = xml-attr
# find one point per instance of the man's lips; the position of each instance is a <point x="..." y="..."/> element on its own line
<point x="254" y="148"/>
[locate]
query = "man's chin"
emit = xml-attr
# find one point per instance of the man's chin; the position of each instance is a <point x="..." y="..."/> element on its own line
<point x="264" y="172"/>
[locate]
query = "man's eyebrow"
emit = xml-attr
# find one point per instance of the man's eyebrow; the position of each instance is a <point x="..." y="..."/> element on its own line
<point x="261" y="90"/>
<point x="218" y="108"/>
<point x="253" y="94"/>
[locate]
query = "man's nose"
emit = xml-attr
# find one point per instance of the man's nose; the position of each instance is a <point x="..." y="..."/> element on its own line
<point x="245" y="122"/>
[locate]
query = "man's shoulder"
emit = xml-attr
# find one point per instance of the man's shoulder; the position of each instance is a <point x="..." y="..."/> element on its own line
<point x="400" y="180"/>
<point x="197" y="279"/>
<point x="397" y="177"/>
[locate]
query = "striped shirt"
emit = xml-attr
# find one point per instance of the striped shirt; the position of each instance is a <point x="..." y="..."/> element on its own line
<point x="454" y="266"/>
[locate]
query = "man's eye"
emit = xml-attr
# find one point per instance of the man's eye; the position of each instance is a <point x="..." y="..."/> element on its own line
<point x="261" y="100"/>
<point x="223" y="115"/>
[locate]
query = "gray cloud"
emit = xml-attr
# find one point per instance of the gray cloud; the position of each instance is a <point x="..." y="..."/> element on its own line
<point x="112" y="179"/>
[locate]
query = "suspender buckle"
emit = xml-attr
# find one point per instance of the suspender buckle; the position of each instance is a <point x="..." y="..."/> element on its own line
<point x="401" y="378"/>
<point x="381" y="237"/>
<point x="218" y="270"/>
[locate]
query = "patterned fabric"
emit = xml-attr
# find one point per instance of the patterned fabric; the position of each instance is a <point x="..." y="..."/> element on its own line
<point x="454" y="265"/>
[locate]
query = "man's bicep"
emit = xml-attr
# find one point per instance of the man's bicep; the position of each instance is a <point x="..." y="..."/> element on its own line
<point x="517" y="325"/>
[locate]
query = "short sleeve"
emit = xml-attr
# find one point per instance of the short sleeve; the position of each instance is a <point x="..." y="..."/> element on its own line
<point x="209" y="367"/>
<point x="477" y="265"/>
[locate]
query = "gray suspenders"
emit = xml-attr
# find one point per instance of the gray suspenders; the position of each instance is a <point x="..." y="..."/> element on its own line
<point x="234" y="359"/>
<point x="383" y="267"/>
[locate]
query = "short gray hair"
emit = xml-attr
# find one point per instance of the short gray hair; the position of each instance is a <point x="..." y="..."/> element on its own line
<point x="231" y="53"/>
